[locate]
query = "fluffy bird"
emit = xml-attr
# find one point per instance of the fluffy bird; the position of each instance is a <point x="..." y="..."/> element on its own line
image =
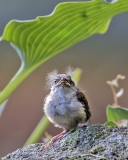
<point x="65" y="106"/>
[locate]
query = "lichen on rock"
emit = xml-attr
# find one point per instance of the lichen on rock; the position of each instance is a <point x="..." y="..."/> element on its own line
<point x="95" y="142"/>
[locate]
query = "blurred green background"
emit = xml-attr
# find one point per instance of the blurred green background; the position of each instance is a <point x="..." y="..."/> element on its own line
<point x="101" y="58"/>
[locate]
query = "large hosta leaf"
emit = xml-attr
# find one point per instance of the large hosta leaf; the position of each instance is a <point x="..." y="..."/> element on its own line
<point x="38" y="40"/>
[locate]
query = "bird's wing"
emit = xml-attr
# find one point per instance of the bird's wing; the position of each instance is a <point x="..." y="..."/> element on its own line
<point x="81" y="97"/>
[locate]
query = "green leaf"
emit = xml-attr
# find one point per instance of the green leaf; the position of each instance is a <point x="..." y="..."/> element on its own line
<point x="111" y="123"/>
<point x="38" y="40"/>
<point x="115" y="114"/>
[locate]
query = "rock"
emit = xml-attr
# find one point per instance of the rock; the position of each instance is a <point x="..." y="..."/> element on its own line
<point x="96" y="142"/>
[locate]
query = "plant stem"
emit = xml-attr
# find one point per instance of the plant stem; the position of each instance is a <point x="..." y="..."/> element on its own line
<point x="77" y="75"/>
<point x="114" y="96"/>
<point x="15" y="81"/>
<point x="38" y="131"/>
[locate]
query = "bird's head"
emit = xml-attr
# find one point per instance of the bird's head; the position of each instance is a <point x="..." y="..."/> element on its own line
<point x="63" y="80"/>
<point x="60" y="82"/>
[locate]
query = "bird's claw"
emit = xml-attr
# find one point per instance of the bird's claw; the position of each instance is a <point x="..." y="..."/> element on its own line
<point x="47" y="145"/>
<point x="81" y="125"/>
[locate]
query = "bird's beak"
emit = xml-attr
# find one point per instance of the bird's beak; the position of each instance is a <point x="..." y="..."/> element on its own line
<point x="63" y="82"/>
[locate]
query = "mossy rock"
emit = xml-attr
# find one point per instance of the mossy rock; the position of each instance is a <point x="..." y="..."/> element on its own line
<point x="95" y="142"/>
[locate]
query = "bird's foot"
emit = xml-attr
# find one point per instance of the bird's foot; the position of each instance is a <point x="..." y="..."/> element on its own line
<point x="47" y="145"/>
<point x="55" y="138"/>
<point x="81" y="125"/>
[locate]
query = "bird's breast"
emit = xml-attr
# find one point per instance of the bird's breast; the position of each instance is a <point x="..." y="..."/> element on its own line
<point x="64" y="110"/>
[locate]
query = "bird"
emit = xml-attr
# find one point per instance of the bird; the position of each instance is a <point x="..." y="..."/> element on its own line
<point x="65" y="106"/>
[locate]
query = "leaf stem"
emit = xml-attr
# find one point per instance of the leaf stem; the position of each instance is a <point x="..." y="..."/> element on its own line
<point x="38" y="131"/>
<point x="15" y="81"/>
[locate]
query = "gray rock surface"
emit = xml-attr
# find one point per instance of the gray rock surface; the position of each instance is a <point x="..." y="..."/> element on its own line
<point x="96" y="142"/>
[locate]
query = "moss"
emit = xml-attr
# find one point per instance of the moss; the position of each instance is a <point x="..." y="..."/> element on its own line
<point x="64" y="148"/>
<point x="93" y="142"/>
<point x="96" y="149"/>
<point x="98" y="135"/>
<point x="70" y="140"/>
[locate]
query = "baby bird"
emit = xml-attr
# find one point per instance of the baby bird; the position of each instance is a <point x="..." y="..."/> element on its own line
<point x="65" y="106"/>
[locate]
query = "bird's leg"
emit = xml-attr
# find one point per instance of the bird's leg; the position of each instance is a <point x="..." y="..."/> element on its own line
<point x="58" y="136"/>
<point x="55" y="138"/>
<point x="80" y="125"/>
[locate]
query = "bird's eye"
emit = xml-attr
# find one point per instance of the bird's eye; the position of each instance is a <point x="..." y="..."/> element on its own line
<point x="55" y="81"/>
<point x="71" y="82"/>
<point x="68" y="80"/>
<point x="110" y="1"/>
